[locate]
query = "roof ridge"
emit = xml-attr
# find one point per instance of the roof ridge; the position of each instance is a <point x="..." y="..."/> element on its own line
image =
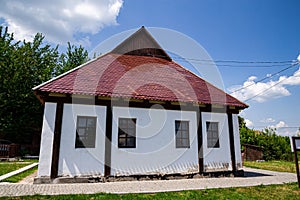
<point x="139" y="43"/>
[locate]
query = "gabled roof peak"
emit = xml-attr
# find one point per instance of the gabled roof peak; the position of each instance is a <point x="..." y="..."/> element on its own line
<point x="141" y="43"/>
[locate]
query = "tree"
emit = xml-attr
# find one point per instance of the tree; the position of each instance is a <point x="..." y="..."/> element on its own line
<point x="275" y="147"/>
<point x="74" y="57"/>
<point x="7" y="47"/>
<point x="242" y="123"/>
<point x="24" y="65"/>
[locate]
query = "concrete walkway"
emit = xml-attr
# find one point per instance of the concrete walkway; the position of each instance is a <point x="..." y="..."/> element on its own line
<point x="253" y="177"/>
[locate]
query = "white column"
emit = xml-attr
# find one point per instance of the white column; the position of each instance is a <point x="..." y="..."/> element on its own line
<point x="45" y="157"/>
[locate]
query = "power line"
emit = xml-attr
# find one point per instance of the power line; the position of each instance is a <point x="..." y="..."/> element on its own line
<point x="264" y="91"/>
<point x="235" y="61"/>
<point x="248" y="66"/>
<point x="240" y="66"/>
<point x="290" y="64"/>
<point x="265" y="78"/>
<point x="267" y="89"/>
<point x="282" y="63"/>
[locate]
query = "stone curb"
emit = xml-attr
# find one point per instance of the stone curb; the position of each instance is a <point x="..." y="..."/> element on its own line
<point x="5" y="176"/>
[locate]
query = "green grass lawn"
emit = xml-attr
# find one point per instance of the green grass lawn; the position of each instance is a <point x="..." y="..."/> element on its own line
<point x="286" y="191"/>
<point x="6" y="167"/>
<point x="18" y="177"/>
<point x="274" y="165"/>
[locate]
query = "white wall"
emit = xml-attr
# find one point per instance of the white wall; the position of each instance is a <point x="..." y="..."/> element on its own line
<point x="45" y="157"/>
<point x="155" y="151"/>
<point x="216" y="159"/>
<point x="237" y="144"/>
<point x="81" y="161"/>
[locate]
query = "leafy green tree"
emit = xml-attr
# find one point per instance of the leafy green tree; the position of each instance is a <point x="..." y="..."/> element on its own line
<point x="242" y="123"/>
<point x="74" y="57"/>
<point x="24" y="65"/>
<point x="7" y="46"/>
<point x="275" y="147"/>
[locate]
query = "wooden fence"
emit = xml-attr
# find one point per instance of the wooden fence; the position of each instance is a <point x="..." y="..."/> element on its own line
<point x="252" y="152"/>
<point x="9" y="150"/>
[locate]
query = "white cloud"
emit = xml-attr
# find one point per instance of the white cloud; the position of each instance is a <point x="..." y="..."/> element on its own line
<point x="280" y="124"/>
<point x="59" y="20"/>
<point x="267" y="120"/>
<point x="283" y="129"/>
<point x="249" y="123"/>
<point x="268" y="90"/>
<point x="286" y="131"/>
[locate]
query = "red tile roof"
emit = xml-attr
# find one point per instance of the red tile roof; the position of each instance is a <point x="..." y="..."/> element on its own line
<point x="138" y="77"/>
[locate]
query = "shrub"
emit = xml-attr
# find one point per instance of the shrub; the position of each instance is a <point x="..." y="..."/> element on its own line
<point x="275" y="147"/>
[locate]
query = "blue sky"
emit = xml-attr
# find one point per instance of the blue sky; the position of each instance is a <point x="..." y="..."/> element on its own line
<point x="247" y="30"/>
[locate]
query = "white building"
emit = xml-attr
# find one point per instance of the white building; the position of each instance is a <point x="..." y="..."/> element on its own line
<point x="135" y="112"/>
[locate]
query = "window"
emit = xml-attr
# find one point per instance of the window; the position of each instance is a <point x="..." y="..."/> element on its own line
<point x="127" y="133"/>
<point x="85" y="132"/>
<point x="182" y="134"/>
<point x="212" y="129"/>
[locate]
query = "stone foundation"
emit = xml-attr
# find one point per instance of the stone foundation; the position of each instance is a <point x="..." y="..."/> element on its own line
<point x="101" y="179"/>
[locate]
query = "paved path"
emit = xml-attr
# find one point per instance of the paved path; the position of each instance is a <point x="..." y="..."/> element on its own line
<point x="29" y="179"/>
<point x="253" y="177"/>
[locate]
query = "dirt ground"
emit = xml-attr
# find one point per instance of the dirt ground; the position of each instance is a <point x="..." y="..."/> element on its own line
<point x="28" y="179"/>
